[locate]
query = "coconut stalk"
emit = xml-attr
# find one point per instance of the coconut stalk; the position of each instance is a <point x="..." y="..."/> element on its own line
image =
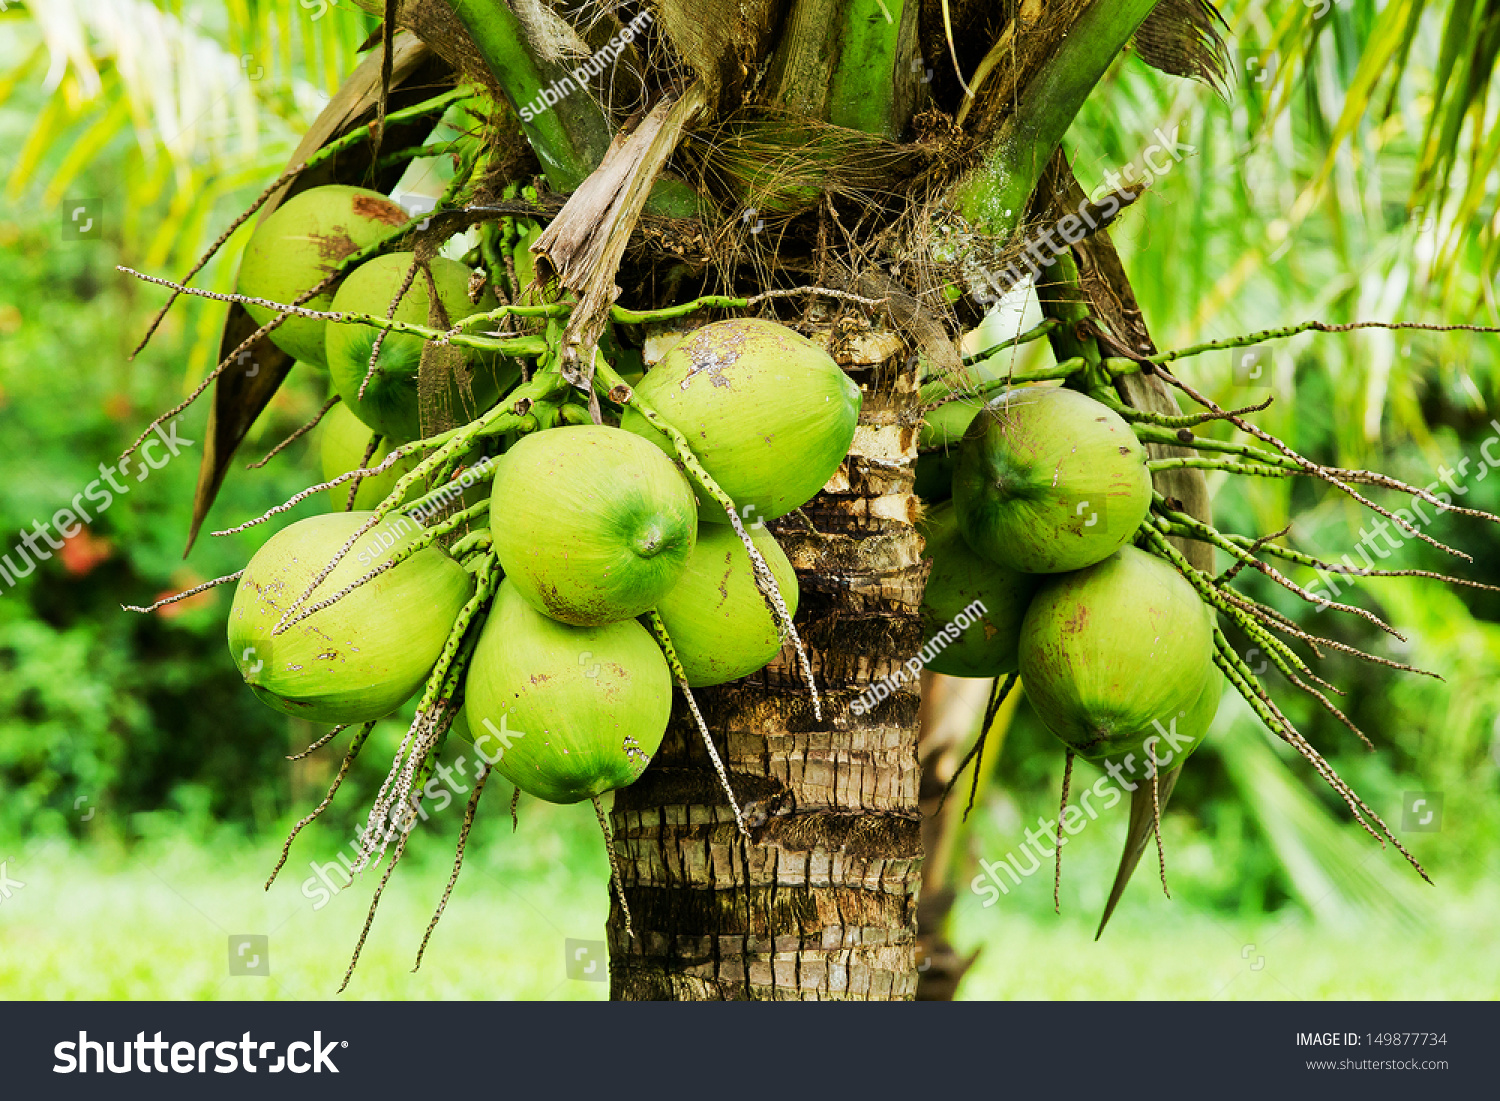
<point x="852" y="62"/>
<point x="993" y="198"/>
<point x="571" y="135"/>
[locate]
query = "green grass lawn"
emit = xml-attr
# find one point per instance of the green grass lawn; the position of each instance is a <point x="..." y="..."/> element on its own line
<point x="1175" y="952"/>
<point x="96" y="922"/>
<point x="1442" y="942"/>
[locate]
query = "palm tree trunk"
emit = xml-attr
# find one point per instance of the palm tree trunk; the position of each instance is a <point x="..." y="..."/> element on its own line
<point x="824" y="903"/>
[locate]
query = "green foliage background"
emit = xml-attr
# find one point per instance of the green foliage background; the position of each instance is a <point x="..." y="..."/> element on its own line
<point x="129" y="742"/>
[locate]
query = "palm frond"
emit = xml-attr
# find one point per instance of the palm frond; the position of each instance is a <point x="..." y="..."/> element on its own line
<point x="210" y="89"/>
<point x="1334" y="874"/>
<point x="1185" y="38"/>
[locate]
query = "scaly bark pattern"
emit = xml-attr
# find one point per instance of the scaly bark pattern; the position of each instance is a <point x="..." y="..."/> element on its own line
<point x="823" y="904"/>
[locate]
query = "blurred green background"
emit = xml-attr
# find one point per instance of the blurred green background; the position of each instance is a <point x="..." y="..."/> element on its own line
<point x="144" y="794"/>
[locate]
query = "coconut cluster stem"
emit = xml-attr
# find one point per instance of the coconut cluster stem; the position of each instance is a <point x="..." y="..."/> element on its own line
<point x="1242" y="612"/>
<point x="1163" y="420"/>
<point x="614" y="866"/>
<point x="942" y="391"/>
<point x="1314" y="469"/>
<point x="482" y="776"/>
<point x="1302" y="559"/>
<point x="1244" y="680"/>
<point x="1240" y="675"/>
<point x="433" y="716"/>
<point x="354" y="747"/>
<point x="523" y="346"/>
<point x="664" y="640"/>
<point x="999" y="690"/>
<point x="425" y="540"/>
<point x="1203" y="532"/>
<point x="1036" y="332"/>
<point x="1284" y="331"/>
<point x="460" y="440"/>
<point x="1254" y="470"/>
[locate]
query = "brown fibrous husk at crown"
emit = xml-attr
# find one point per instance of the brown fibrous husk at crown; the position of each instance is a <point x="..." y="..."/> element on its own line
<point x="791" y="200"/>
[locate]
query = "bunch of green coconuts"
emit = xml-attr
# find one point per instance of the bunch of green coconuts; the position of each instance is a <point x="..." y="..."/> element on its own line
<point x="595" y="566"/>
<point x="1034" y="499"/>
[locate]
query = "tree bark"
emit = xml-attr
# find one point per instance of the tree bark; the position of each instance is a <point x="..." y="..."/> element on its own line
<point x="823" y="904"/>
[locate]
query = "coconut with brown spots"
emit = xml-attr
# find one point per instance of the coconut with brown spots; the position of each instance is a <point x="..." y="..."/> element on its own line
<point x="716" y="617"/>
<point x="1049" y="480"/>
<point x="766" y="411"/>
<point x="1118" y="652"/>
<point x="591" y="524"/>
<point x="360" y="658"/>
<point x="570" y="712"/>
<point x="299" y="245"/>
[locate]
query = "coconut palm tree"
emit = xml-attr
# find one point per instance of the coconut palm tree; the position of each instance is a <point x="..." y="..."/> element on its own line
<point x="879" y="166"/>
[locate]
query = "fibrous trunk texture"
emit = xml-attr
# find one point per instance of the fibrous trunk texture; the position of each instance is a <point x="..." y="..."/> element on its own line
<point x="823" y="903"/>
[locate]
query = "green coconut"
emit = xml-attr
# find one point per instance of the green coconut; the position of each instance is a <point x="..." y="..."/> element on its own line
<point x="358" y="659"/>
<point x="591" y="523"/>
<point x="571" y="712"/>
<point x="937" y="448"/>
<point x="1116" y="652"/>
<point x="718" y="621"/>
<point x="391" y="402"/>
<point x="301" y="243"/>
<point x="1191" y="727"/>
<point x="766" y="411"/>
<point x="972" y="608"/>
<point x="342" y="443"/>
<point x="1049" y="480"/>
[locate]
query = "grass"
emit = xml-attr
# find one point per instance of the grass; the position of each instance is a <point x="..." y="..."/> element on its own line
<point x="1190" y="954"/>
<point x="96" y="922"/>
<point x="1441" y="943"/>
